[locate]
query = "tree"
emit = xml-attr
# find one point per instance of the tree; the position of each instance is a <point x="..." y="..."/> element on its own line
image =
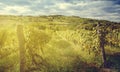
<point x="101" y="36"/>
<point x="36" y="40"/>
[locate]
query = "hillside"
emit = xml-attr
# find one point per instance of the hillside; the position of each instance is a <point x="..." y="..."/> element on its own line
<point x="56" y="43"/>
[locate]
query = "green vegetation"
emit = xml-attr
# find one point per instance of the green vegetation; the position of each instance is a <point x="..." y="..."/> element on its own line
<point x="57" y="43"/>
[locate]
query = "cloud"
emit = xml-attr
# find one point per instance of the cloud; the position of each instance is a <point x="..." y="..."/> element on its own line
<point x="14" y="10"/>
<point x="16" y="2"/>
<point x="100" y="9"/>
<point x="116" y="2"/>
<point x="63" y="5"/>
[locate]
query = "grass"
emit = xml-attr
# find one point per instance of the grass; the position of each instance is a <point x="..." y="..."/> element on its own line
<point x="54" y="44"/>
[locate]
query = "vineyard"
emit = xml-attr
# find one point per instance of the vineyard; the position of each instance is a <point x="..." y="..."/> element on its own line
<point x="57" y="43"/>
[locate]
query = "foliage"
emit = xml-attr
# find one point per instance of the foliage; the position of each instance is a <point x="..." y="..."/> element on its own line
<point x="56" y="43"/>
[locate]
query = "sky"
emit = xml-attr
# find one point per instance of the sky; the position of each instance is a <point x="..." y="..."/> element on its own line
<point x="96" y="9"/>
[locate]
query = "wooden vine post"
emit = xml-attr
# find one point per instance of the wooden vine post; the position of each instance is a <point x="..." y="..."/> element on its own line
<point x="101" y="36"/>
<point x="21" y="41"/>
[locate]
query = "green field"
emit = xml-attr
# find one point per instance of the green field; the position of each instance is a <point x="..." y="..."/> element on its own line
<point x="56" y="43"/>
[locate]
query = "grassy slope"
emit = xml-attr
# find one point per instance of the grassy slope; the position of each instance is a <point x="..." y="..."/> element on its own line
<point x="58" y="43"/>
